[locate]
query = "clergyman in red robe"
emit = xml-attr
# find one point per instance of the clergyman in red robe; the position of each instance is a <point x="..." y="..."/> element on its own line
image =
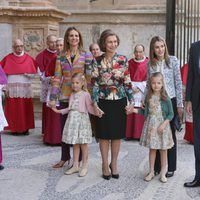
<point x="20" y="69"/>
<point x="43" y="60"/>
<point x="138" y="74"/>
<point x="53" y="130"/>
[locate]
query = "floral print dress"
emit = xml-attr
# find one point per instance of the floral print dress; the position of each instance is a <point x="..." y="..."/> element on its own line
<point x="77" y="128"/>
<point x="150" y="136"/>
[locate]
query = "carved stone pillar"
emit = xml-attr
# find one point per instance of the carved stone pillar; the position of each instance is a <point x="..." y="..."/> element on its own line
<point x="30" y="21"/>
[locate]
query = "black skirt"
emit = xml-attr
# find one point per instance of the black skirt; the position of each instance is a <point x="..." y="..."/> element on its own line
<point x="112" y="125"/>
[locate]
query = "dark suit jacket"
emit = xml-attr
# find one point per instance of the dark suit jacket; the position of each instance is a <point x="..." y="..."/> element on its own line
<point x="193" y="79"/>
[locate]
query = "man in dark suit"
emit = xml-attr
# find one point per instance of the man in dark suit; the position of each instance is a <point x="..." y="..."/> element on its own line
<point x="193" y="106"/>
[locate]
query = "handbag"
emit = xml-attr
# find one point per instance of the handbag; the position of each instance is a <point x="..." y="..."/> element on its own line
<point x="178" y="123"/>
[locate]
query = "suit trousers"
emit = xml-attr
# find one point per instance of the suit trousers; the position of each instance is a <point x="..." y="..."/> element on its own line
<point x="196" y="122"/>
<point x="171" y="153"/>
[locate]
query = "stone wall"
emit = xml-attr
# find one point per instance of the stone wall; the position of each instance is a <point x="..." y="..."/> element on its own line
<point x="32" y="20"/>
<point x="134" y="21"/>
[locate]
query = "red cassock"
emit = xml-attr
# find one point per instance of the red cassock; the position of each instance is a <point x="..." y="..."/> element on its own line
<point x="189" y="135"/>
<point x="51" y="121"/>
<point x="19" y="109"/>
<point x="134" y="122"/>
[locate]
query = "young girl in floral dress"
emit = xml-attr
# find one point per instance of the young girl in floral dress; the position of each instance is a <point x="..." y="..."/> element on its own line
<point x="3" y="122"/>
<point x="156" y="133"/>
<point x="77" y="129"/>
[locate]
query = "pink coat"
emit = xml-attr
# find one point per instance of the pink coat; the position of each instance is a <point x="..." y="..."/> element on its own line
<point x="85" y="104"/>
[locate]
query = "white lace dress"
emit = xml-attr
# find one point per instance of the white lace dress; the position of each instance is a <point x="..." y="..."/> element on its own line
<point x="78" y="127"/>
<point x="3" y="121"/>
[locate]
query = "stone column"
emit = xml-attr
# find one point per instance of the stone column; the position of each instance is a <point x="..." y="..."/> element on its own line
<point x="30" y="21"/>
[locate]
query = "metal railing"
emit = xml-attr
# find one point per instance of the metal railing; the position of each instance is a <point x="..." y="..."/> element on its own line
<point x="186" y="27"/>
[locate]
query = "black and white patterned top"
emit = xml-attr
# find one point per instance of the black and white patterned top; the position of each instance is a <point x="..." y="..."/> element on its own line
<point x="172" y="78"/>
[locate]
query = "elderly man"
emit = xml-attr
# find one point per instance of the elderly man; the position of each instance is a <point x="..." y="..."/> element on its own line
<point x="138" y="73"/>
<point x="95" y="50"/>
<point x="20" y="69"/>
<point x="43" y="60"/>
<point x="53" y="130"/>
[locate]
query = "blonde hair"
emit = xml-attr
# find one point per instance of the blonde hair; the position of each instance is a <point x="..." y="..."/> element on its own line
<point x="81" y="77"/>
<point x="163" y="93"/>
<point x="152" y="56"/>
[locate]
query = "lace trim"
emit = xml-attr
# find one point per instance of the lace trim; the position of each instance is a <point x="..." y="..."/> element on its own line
<point x="19" y="90"/>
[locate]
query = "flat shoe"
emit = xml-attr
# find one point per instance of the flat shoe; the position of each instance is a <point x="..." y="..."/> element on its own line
<point x="149" y="177"/>
<point x="83" y="171"/>
<point x="72" y="170"/>
<point x="163" y="179"/>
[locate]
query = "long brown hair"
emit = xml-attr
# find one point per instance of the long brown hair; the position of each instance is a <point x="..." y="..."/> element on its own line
<point x="152" y="56"/>
<point x="66" y="43"/>
<point x="81" y="77"/>
<point x="163" y="93"/>
<point x="104" y="35"/>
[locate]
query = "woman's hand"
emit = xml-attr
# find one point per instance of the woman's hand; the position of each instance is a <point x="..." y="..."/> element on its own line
<point x="136" y="90"/>
<point x="129" y="109"/>
<point x="142" y="104"/>
<point x="180" y="113"/>
<point x="6" y="93"/>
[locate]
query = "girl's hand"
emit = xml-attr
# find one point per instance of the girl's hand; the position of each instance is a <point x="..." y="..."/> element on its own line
<point x="161" y="128"/>
<point x="52" y="104"/>
<point x="56" y="110"/>
<point x="98" y="111"/>
<point x="101" y="113"/>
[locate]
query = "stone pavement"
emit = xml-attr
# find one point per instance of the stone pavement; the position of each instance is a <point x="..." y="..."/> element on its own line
<point x="28" y="173"/>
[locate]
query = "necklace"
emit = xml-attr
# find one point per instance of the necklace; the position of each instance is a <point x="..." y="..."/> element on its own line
<point x="107" y="62"/>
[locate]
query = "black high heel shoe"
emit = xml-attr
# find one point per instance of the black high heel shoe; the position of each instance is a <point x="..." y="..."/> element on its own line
<point x="106" y="177"/>
<point x="116" y="176"/>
